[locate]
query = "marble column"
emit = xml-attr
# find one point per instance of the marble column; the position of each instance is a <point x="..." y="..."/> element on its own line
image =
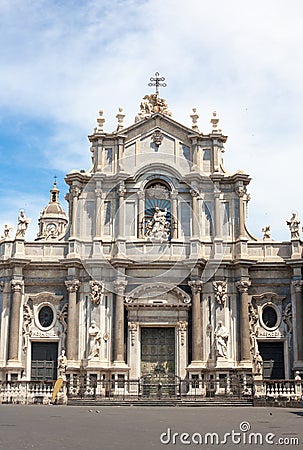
<point x="14" y="334"/>
<point x="174" y="214"/>
<point x="241" y="192"/>
<point x="298" y="286"/>
<point x="72" y="338"/>
<point x="119" y="357"/>
<point x="195" y="213"/>
<point x="243" y="286"/>
<point x="196" y="287"/>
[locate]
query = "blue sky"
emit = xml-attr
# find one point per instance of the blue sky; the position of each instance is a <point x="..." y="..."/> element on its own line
<point x="61" y="61"/>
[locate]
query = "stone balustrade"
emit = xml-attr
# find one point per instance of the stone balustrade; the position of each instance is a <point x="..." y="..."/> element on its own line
<point x="39" y="392"/>
<point x="278" y="389"/>
<point x="26" y="392"/>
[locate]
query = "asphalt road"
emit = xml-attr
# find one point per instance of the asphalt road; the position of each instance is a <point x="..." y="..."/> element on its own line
<point x="135" y="428"/>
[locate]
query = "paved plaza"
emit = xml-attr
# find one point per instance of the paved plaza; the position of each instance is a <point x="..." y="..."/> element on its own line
<point x="135" y="428"/>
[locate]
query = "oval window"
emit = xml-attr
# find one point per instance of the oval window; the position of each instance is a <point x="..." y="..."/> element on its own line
<point x="46" y="316"/>
<point x="269" y="317"/>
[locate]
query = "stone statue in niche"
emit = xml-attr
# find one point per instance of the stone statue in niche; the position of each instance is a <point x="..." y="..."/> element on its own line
<point x="157" y="229"/>
<point x="94" y="341"/>
<point x="221" y="338"/>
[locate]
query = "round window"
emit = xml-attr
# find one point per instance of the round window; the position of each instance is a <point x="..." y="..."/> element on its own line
<point x="269" y="317"/>
<point x="46" y="316"/>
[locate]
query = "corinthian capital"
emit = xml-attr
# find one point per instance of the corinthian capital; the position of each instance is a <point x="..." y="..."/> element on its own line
<point x="98" y="192"/>
<point x="196" y="286"/>
<point x="141" y="194"/>
<point x="120" y="286"/>
<point x="121" y="190"/>
<point x="298" y="285"/>
<point x="75" y="191"/>
<point x="241" y="191"/>
<point x="243" y="286"/>
<point x="72" y="285"/>
<point x="194" y="193"/>
<point x="17" y="285"/>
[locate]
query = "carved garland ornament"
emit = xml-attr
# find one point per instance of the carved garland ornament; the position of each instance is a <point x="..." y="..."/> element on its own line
<point x="96" y="289"/>
<point x="220" y="288"/>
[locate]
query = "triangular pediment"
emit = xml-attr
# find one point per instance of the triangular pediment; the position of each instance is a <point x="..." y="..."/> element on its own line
<point x="162" y="122"/>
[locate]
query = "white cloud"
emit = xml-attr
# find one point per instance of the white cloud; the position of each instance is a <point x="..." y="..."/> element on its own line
<point x="63" y="61"/>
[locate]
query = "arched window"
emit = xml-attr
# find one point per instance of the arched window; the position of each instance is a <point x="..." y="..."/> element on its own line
<point x="157" y="215"/>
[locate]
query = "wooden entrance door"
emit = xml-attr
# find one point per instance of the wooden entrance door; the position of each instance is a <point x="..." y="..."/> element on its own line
<point x="273" y="359"/>
<point x="44" y="360"/>
<point x="157" y="350"/>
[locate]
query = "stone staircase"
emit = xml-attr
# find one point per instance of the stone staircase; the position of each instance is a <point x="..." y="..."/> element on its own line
<point x="207" y="402"/>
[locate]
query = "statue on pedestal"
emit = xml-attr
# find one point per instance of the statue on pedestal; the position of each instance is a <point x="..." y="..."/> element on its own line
<point x="22" y="224"/>
<point x="94" y="341"/>
<point x="62" y="364"/>
<point x="221" y="337"/>
<point x="293" y="225"/>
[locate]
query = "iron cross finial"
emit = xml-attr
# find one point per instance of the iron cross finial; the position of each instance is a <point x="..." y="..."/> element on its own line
<point x="157" y="81"/>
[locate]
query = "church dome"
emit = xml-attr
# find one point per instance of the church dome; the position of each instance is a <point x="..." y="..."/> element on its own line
<point x="53" y="220"/>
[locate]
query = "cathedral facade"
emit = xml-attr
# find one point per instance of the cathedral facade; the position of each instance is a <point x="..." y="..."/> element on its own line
<point x="153" y="269"/>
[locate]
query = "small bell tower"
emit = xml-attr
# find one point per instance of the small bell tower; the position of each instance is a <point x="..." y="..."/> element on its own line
<point x="53" y="220"/>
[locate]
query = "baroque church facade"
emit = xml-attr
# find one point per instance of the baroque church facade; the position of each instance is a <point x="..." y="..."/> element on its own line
<point x="153" y="269"/>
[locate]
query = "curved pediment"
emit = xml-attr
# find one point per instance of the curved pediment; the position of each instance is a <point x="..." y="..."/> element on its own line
<point x="159" y="294"/>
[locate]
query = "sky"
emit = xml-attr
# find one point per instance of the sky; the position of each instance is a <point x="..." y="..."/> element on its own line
<point x="62" y="61"/>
